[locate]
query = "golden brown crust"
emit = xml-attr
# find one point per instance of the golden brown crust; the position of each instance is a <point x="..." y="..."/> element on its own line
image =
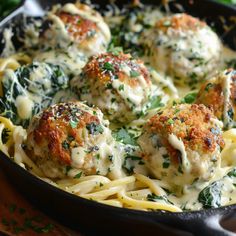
<point x="97" y="68"/>
<point x="182" y="22"/>
<point x="79" y="28"/>
<point x="211" y="94"/>
<point x="191" y="124"/>
<point x="55" y="132"/>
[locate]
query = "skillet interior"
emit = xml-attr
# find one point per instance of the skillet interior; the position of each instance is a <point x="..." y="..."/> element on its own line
<point x="93" y="217"/>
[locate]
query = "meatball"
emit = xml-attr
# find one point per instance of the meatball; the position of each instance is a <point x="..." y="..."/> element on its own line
<point x="117" y="83"/>
<point x="220" y="94"/>
<point x="72" y="137"/>
<point x="182" y="143"/>
<point x="183" y="47"/>
<point x="80" y="26"/>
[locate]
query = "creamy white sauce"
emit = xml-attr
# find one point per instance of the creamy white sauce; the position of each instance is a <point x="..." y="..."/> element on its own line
<point x="179" y="145"/>
<point x="73" y="62"/>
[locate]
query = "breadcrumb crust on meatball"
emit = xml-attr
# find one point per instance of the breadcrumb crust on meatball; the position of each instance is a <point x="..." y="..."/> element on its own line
<point x="213" y="93"/>
<point x="191" y="124"/>
<point x="117" y="83"/>
<point x="196" y="129"/>
<point x="183" y="47"/>
<point x="77" y="27"/>
<point x="182" y="22"/>
<point x="69" y="134"/>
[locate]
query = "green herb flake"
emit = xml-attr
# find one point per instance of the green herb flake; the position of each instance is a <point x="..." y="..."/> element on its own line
<point x="108" y="66"/>
<point x="125" y="137"/>
<point x="115" y="50"/>
<point x="189" y="98"/>
<point x="166" y="161"/>
<point x="121" y="87"/>
<point x="134" y="73"/>
<point x="65" y="145"/>
<point x="208" y="86"/>
<point x="170" y="122"/>
<point x="68" y="168"/>
<point x="94" y="128"/>
<point x="155" y="102"/>
<point x="77" y="176"/>
<point x="74" y="123"/>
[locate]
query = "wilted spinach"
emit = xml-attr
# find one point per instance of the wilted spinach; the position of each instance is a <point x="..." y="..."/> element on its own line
<point x="38" y="81"/>
<point x="210" y="196"/>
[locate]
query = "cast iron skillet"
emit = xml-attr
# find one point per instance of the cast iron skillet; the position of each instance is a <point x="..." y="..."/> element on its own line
<point x="93" y="218"/>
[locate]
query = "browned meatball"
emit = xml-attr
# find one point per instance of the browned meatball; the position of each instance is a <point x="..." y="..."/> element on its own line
<point x="80" y="25"/>
<point x="115" y="82"/>
<point x="183" y="47"/>
<point x="182" y="143"/>
<point x="220" y="94"/>
<point x="70" y="136"/>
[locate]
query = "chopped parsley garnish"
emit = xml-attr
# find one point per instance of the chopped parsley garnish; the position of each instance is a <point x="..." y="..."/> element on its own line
<point x="74" y="123"/>
<point x="108" y="66"/>
<point x="109" y="86"/>
<point x="68" y="168"/>
<point x="125" y="137"/>
<point x="170" y="121"/>
<point x="94" y="128"/>
<point x="134" y="73"/>
<point x="155" y="102"/>
<point x="121" y="87"/>
<point x="65" y="145"/>
<point x="166" y="161"/>
<point x="77" y="176"/>
<point x="189" y="98"/>
<point x="208" y="86"/>
<point x="115" y="50"/>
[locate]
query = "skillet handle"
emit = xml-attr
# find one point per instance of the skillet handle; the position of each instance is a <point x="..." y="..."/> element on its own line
<point x="214" y="225"/>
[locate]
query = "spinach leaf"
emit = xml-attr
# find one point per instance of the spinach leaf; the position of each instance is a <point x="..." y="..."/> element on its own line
<point x="210" y="196"/>
<point x="130" y="161"/>
<point x="232" y="173"/>
<point x="37" y="82"/>
<point x="154" y="198"/>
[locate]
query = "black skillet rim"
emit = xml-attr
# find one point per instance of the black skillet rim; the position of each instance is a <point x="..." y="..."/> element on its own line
<point x="185" y="214"/>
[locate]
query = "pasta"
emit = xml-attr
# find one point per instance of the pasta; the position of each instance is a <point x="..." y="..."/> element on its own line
<point x="161" y="149"/>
